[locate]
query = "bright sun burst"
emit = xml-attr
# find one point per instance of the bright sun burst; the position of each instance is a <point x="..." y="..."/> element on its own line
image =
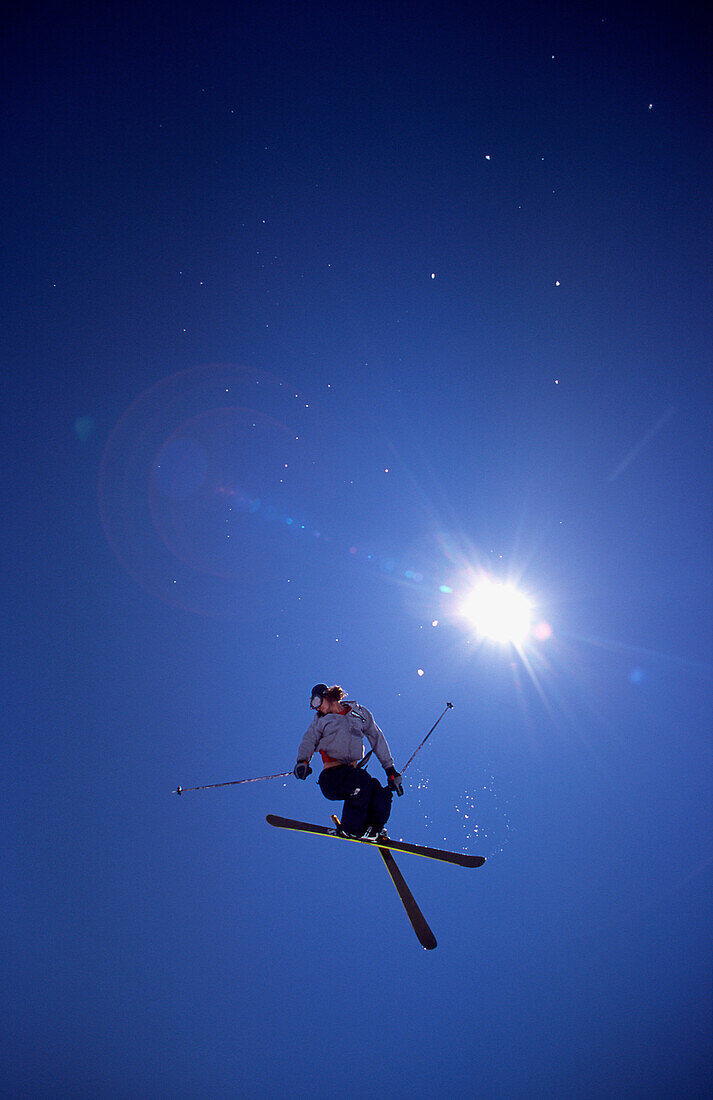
<point x="498" y="611"/>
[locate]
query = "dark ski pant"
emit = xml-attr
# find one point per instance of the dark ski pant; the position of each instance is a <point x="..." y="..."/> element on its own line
<point x="366" y="802"/>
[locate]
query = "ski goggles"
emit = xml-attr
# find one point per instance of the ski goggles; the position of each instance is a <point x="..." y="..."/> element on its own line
<point x="318" y="693"/>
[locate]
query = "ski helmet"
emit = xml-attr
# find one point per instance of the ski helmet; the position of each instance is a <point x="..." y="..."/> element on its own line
<point x="318" y="693"/>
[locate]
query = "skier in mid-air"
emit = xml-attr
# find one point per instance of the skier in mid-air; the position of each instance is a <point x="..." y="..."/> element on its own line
<point x="336" y="732"/>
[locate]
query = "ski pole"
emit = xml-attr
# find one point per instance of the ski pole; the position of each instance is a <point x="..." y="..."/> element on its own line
<point x="449" y="706"/>
<point x="232" y="783"/>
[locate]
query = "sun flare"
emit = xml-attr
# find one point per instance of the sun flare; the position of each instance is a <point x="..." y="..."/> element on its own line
<point x="498" y="612"/>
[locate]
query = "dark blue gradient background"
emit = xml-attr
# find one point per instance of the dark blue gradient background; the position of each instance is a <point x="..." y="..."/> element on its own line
<point x="310" y="312"/>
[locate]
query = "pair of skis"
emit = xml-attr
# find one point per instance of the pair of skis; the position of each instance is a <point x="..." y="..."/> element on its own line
<point x="386" y="847"/>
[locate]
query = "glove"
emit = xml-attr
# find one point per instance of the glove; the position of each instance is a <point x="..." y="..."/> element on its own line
<point x="302" y="769"/>
<point x="395" y="780"/>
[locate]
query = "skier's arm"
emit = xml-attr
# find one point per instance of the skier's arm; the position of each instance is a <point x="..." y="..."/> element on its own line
<point x="309" y="741"/>
<point x="377" y="741"/>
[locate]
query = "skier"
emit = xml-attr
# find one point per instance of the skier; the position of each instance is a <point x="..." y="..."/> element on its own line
<point x="336" y="732"/>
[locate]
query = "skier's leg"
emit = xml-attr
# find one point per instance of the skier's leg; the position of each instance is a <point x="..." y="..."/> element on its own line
<point x="331" y="783"/>
<point x="379" y="804"/>
<point x="356" y="806"/>
<point x="354" y="786"/>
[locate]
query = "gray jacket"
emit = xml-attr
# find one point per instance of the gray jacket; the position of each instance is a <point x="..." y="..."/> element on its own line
<point x="340" y="736"/>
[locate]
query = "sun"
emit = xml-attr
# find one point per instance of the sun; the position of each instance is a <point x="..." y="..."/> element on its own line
<point x="498" y="612"/>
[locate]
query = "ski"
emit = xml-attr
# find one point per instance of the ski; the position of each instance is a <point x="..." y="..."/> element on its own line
<point x="460" y="859"/>
<point x="418" y="922"/>
<point x="413" y="912"/>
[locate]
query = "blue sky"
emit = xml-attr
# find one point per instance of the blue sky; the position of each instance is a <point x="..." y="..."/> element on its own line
<point x="312" y="314"/>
